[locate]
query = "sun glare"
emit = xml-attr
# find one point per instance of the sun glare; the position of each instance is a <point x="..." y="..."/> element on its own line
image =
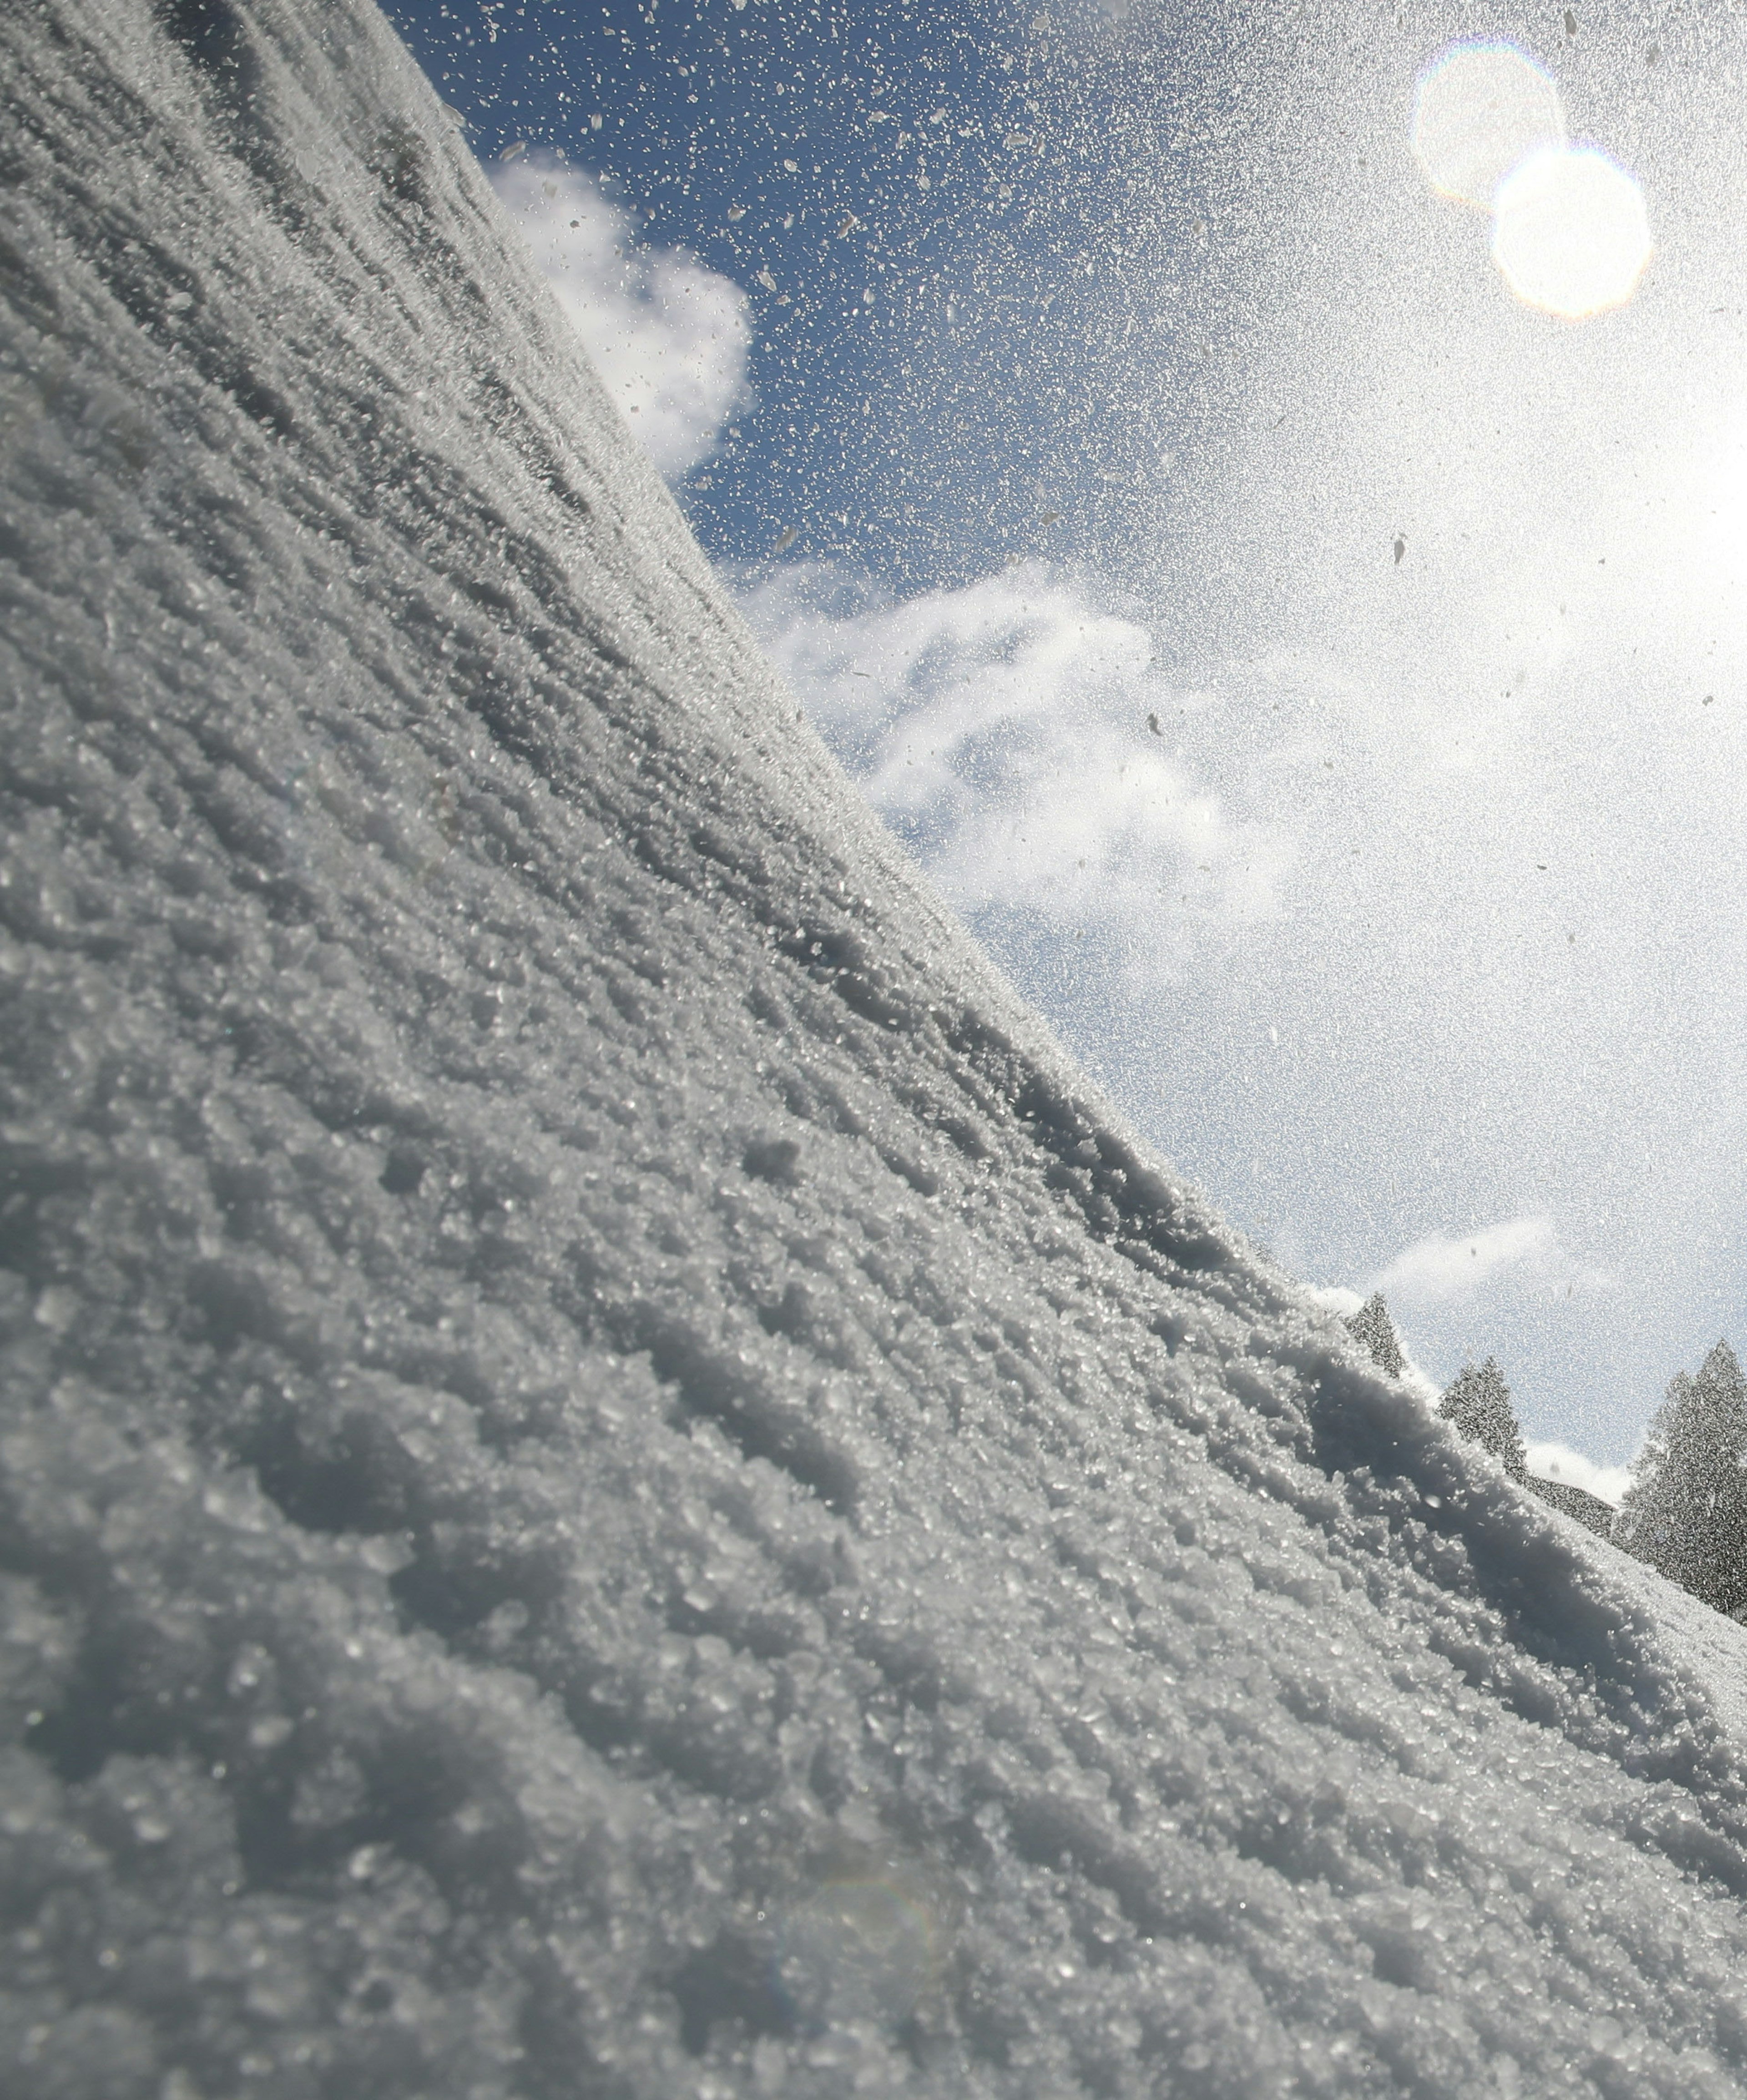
<point x="1570" y="232"/>
<point x="1571" y="235"/>
<point x="1481" y="108"/>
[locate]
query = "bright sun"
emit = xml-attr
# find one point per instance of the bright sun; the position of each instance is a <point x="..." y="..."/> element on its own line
<point x="1571" y="234"/>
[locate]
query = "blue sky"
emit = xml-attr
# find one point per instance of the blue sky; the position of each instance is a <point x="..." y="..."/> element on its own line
<point x="979" y="402"/>
<point x="1315" y="674"/>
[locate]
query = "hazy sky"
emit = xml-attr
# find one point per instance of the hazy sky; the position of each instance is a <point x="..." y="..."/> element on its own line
<point x="1088" y="366"/>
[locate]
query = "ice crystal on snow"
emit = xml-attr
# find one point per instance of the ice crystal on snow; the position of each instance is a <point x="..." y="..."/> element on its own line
<point x="616" y="1480"/>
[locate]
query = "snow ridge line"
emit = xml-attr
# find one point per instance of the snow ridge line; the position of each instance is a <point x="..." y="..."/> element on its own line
<point x="581" y="1382"/>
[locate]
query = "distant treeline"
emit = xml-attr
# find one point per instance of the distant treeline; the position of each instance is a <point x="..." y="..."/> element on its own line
<point x="1685" y="1514"/>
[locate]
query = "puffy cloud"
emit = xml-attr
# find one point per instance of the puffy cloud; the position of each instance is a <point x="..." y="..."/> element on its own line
<point x="1002" y="729"/>
<point x="1337" y="1298"/>
<point x="669" y="338"/>
<point x="1436" y="1270"/>
<point x="1553" y="1461"/>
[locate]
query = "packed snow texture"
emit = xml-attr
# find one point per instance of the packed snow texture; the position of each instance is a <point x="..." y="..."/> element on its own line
<point x="618" y="1481"/>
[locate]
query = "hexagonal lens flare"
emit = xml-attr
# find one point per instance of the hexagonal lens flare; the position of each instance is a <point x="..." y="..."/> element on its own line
<point x="1570" y="232"/>
<point x="1571" y="235"/>
<point x="1478" y="110"/>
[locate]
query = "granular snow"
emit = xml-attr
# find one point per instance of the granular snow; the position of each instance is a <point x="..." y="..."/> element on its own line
<point x="618" y="1481"/>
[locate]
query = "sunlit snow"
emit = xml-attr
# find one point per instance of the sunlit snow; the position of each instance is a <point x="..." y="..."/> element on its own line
<point x="615" y="1477"/>
<point x="1202" y="357"/>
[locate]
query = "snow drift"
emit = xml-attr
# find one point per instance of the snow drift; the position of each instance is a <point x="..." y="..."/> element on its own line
<point x="618" y="1482"/>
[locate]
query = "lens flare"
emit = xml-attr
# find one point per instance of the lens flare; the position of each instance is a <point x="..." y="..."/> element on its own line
<point x="1478" y="110"/>
<point x="1570" y="232"/>
<point x="860" y="1948"/>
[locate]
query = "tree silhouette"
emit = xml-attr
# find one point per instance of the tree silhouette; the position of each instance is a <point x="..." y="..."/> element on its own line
<point x="1478" y="1403"/>
<point x="1686" y="1510"/>
<point x="1372" y="1325"/>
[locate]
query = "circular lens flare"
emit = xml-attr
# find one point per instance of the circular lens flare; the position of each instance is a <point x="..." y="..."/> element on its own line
<point x="1478" y="110"/>
<point x="859" y="1949"/>
<point x="1570" y="232"/>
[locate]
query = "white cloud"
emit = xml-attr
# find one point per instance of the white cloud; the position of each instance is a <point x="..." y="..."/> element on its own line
<point x="1436" y="1270"/>
<point x="1553" y="1461"/>
<point x="668" y="337"/>
<point x="1001" y="729"/>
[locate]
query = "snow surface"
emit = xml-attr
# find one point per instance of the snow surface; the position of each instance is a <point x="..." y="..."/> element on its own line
<point x="618" y="1481"/>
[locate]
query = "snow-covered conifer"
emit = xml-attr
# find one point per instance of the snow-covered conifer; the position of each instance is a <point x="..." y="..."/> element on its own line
<point x="1478" y="1403"/>
<point x="1686" y="1510"/>
<point x="1372" y="1325"/>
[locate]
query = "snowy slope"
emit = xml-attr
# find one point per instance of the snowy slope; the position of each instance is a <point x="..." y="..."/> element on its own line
<point x="616" y="1482"/>
<point x="1708" y="1648"/>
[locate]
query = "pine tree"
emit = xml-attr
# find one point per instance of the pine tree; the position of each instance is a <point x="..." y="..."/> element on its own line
<point x="1686" y="1510"/>
<point x="1372" y="1325"/>
<point x="1478" y="1403"/>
